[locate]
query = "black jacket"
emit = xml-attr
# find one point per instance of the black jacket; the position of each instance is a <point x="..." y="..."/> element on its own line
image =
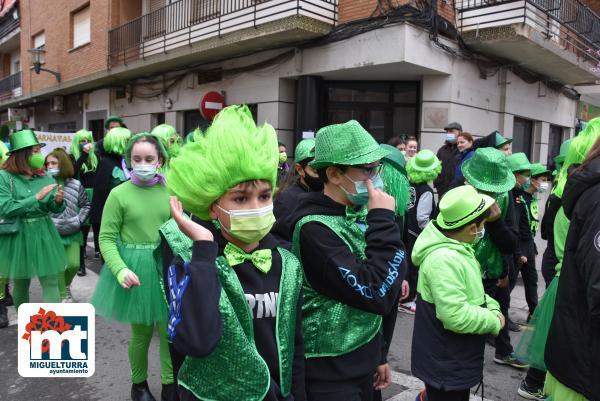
<point x="504" y="234"/>
<point x="523" y="200"/>
<point x="201" y="328"/>
<point x="284" y="205"/>
<point x="322" y="251"/>
<point x="449" y="156"/>
<point x="88" y="179"/>
<point x="573" y="345"/>
<point x="549" y="259"/>
<point x="103" y="185"/>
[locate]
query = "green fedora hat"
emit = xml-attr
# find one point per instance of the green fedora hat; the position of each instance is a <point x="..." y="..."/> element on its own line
<point x="23" y="139"/>
<point x="111" y="119"/>
<point x="460" y="206"/>
<point x="304" y="150"/>
<point x="562" y="154"/>
<point x="395" y="158"/>
<point x="425" y="160"/>
<point x="538" y="169"/>
<point x="518" y="162"/>
<point x="488" y="171"/>
<point x="347" y="144"/>
<point x="501" y="141"/>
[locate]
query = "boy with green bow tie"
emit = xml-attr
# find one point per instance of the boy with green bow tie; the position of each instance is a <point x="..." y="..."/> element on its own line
<point x="234" y="303"/>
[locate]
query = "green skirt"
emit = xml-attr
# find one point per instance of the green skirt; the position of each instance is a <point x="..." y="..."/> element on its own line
<point x="142" y="304"/>
<point x="35" y="251"/>
<point x="559" y="392"/>
<point x="67" y="239"/>
<point x="533" y="341"/>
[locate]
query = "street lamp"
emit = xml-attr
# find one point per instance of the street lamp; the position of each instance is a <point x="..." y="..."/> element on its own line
<point x="36" y="56"/>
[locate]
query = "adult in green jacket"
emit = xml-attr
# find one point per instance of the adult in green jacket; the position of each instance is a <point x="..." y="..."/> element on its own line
<point x="454" y="314"/>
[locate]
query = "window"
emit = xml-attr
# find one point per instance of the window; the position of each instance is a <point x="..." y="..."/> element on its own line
<point x="522" y="134"/>
<point x="81" y="27"/>
<point x="554" y="142"/>
<point x="39" y="42"/>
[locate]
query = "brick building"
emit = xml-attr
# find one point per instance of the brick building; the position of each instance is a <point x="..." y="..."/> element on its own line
<point x="400" y="67"/>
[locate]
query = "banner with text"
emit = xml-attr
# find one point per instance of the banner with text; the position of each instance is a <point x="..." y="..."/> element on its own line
<point x="54" y="140"/>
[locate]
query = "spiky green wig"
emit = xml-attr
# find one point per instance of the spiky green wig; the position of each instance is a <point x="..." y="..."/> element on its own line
<point x="3" y="153"/>
<point x="233" y="150"/>
<point x="396" y="184"/>
<point x="92" y="161"/>
<point x="578" y="150"/>
<point x="115" y="141"/>
<point x="136" y="138"/>
<point x="419" y="177"/>
<point x="165" y="132"/>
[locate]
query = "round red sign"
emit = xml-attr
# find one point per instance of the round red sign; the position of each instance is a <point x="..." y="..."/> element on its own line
<point x="211" y="104"/>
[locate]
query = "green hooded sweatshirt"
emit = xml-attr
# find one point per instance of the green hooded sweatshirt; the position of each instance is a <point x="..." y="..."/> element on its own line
<point x="450" y="279"/>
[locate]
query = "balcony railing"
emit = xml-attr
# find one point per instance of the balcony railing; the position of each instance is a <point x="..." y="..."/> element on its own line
<point x="569" y="23"/>
<point x="10" y="87"/>
<point x="8" y="24"/>
<point x="185" y="22"/>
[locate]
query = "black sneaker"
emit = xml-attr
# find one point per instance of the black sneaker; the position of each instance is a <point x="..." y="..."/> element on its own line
<point x="512" y="326"/>
<point x="141" y="392"/>
<point x="81" y="272"/>
<point x="97" y="255"/>
<point x="169" y="392"/>
<point x="510" y="360"/>
<point x="531" y="393"/>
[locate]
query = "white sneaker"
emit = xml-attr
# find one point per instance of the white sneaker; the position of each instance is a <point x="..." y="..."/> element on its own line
<point x="69" y="298"/>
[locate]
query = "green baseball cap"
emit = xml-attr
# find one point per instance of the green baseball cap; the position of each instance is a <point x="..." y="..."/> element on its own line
<point x="23" y="139"/>
<point x="347" y="144"/>
<point x="488" y="171"/>
<point x="425" y="160"/>
<point x="538" y="169"/>
<point x="304" y="150"/>
<point x="111" y="119"/>
<point x="518" y="162"/>
<point x="501" y="141"/>
<point x="564" y="149"/>
<point x="395" y="158"/>
<point x="460" y="206"/>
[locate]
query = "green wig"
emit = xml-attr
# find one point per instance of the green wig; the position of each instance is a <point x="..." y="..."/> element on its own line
<point x="418" y="176"/>
<point x="165" y="132"/>
<point x="92" y="161"/>
<point x="115" y="141"/>
<point x="233" y="150"/>
<point x="3" y="152"/>
<point x="136" y="138"/>
<point x="578" y="150"/>
<point x="396" y="184"/>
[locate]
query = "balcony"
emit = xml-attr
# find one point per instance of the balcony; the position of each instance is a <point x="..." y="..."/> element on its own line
<point x="219" y="28"/>
<point x="10" y="87"/>
<point x="559" y="39"/>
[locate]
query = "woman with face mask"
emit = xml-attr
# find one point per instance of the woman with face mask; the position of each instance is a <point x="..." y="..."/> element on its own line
<point x="30" y="245"/>
<point x="129" y="289"/>
<point x="283" y="168"/>
<point x="69" y="222"/>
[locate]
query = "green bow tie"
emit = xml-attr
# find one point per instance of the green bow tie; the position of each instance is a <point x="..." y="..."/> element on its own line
<point x="260" y="258"/>
<point x="359" y="216"/>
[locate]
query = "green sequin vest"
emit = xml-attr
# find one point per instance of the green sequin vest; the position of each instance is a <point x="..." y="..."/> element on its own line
<point x="235" y="370"/>
<point x="487" y="254"/>
<point x="329" y="327"/>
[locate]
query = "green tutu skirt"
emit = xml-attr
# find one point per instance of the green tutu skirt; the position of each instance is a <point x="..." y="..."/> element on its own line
<point x="533" y="341"/>
<point x="559" y="392"/>
<point x="35" y="251"/>
<point x="141" y="304"/>
<point x="67" y="239"/>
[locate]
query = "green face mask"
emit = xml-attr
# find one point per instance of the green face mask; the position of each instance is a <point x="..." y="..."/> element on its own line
<point x="282" y="157"/>
<point x="250" y="225"/>
<point x="36" y="161"/>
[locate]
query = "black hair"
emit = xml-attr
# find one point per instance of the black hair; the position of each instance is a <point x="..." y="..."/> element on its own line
<point x="395" y="141"/>
<point x="281" y="144"/>
<point x="478" y="220"/>
<point x="322" y="172"/>
<point x="292" y="176"/>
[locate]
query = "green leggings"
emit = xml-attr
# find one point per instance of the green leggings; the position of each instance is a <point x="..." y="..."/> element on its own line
<point x="65" y="279"/>
<point x="141" y="335"/>
<point x="49" y="290"/>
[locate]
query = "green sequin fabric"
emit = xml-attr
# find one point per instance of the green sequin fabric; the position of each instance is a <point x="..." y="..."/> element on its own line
<point x="235" y="370"/>
<point x="329" y="327"/>
<point x="179" y="243"/>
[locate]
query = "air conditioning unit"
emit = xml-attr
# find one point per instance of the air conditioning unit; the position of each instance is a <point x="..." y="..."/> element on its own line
<point x="57" y="104"/>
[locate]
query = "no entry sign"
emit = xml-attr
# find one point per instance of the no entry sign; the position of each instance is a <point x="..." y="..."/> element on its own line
<point x="211" y="104"/>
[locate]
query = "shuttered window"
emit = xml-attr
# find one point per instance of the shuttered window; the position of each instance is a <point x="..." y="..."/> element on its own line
<point x="81" y="27"/>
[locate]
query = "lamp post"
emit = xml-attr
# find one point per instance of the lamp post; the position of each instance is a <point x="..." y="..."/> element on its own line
<point x="36" y="57"/>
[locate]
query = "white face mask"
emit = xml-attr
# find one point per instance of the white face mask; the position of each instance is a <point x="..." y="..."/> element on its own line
<point x="145" y="172"/>
<point x="53" y="172"/>
<point x="544" y="187"/>
<point x="479" y="234"/>
<point x="450" y="137"/>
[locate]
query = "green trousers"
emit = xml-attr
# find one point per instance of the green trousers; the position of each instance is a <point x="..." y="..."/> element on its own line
<point x="141" y="335"/>
<point x="49" y="290"/>
<point x="65" y="279"/>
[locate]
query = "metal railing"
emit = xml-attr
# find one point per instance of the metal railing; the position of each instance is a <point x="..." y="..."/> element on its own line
<point x="8" y="24"/>
<point x="185" y="22"/>
<point x="9" y="84"/>
<point x="572" y="24"/>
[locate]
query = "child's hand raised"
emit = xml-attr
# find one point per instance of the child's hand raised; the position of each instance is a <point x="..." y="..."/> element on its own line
<point x="193" y="230"/>
<point x="379" y="199"/>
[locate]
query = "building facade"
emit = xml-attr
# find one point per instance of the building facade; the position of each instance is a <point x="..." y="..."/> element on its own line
<point x="399" y="68"/>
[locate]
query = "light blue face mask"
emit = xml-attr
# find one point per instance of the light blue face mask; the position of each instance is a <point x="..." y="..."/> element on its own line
<point x="527" y="184"/>
<point x="450" y="137"/>
<point x="361" y="197"/>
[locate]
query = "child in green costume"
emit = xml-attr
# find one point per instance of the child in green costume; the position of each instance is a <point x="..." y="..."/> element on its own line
<point x="69" y="222"/>
<point x="129" y="289"/>
<point x="235" y="303"/>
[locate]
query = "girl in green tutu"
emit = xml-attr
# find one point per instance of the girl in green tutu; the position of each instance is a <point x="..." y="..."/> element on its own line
<point x="32" y="247"/>
<point x="129" y="289"/>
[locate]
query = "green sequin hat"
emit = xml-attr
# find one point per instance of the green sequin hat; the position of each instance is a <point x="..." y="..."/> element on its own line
<point x="111" y="119"/>
<point x="518" y="162"/>
<point x="460" y="206"/>
<point x="488" y="171"/>
<point x="564" y="149"/>
<point x="23" y="139"/>
<point x="425" y="160"/>
<point x="347" y="144"/>
<point x="538" y="169"/>
<point x="501" y="141"/>
<point x="304" y="150"/>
